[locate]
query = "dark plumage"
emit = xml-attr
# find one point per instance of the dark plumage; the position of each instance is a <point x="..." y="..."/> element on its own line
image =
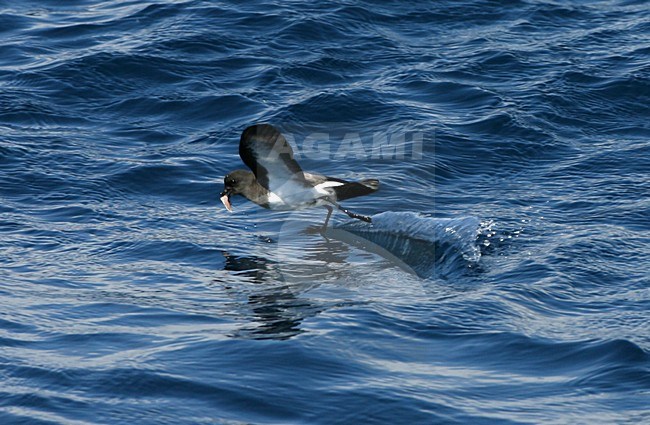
<point x="278" y="182"/>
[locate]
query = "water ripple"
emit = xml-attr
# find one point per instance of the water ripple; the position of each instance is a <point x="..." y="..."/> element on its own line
<point x="123" y="278"/>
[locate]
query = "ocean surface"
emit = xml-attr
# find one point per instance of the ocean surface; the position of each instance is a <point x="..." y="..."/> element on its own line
<point x="506" y="278"/>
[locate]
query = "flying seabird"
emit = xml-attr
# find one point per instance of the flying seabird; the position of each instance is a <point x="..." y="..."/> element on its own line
<point x="278" y="183"/>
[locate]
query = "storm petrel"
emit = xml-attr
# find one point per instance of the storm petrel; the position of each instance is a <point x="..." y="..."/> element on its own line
<point x="278" y="183"/>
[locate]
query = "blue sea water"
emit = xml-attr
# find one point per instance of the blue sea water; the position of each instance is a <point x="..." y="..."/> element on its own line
<point x="515" y="287"/>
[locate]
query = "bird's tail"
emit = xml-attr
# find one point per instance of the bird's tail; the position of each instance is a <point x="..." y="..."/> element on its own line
<point x="354" y="189"/>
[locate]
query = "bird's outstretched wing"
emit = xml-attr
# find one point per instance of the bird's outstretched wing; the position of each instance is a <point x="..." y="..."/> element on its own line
<point x="266" y="152"/>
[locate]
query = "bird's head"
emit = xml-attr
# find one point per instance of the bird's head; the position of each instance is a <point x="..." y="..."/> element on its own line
<point x="235" y="183"/>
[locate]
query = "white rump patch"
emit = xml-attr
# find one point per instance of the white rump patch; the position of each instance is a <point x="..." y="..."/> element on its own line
<point x="320" y="188"/>
<point x="274" y="200"/>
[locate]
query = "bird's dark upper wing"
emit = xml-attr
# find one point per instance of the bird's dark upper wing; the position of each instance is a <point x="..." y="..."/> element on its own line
<point x="266" y="152"/>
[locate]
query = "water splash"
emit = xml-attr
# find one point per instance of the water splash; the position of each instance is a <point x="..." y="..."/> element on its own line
<point x="426" y="246"/>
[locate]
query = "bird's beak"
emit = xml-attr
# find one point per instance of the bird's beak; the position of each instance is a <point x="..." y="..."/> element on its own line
<point x="225" y="199"/>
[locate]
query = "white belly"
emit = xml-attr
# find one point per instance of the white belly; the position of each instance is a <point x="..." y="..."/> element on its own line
<point x="295" y="195"/>
<point x="297" y="199"/>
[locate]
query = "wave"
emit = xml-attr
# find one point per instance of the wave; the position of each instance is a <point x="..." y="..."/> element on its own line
<point x="419" y="244"/>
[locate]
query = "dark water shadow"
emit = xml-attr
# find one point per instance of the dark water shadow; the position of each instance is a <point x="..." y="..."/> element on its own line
<point x="275" y="311"/>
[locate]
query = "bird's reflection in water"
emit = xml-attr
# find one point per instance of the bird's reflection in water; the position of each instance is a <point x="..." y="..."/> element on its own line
<point x="277" y="309"/>
<point x="274" y="289"/>
<point x="255" y="268"/>
<point x="279" y="314"/>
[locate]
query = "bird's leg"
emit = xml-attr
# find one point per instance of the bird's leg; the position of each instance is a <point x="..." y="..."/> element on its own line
<point x="351" y="214"/>
<point x="329" y="213"/>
